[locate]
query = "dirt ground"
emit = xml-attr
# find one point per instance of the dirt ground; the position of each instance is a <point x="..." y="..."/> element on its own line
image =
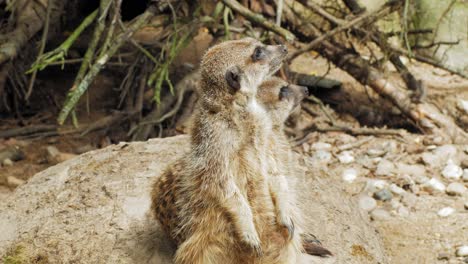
<point x="409" y="221"/>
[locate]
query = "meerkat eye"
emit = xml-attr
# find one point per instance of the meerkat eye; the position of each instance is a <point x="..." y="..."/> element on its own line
<point x="284" y="92"/>
<point x="259" y="54"/>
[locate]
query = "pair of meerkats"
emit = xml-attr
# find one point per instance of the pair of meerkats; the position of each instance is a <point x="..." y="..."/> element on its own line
<point x="227" y="200"/>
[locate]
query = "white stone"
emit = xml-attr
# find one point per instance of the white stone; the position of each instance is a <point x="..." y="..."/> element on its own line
<point x="346" y="157"/>
<point x="367" y="203"/>
<point x="375" y="152"/>
<point x="380" y="214"/>
<point x="446" y="211"/>
<point x="413" y="170"/>
<point x="14" y="182"/>
<point x="462" y="251"/>
<point x="349" y="175"/>
<point x="456" y="188"/>
<point x="452" y="171"/>
<point x="446" y="152"/>
<point x="7" y="162"/>
<point x="396" y="189"/>
<point x="322" y="156"/>
<point x="465" y="175"/>
<point x="321" y="146"/>
<point x="466" y="205"/>
<point x="384" y="168"/>
<point x="463" y="105"/>
<point x="52" y="151"/>
<point x="373" y="186"/>
<point x="409" y="200"/>
<point x="435" y="185"/>
<point x="421" y="179"/>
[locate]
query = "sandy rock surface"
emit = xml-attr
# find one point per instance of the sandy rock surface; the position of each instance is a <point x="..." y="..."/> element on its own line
<point x="94" y="209"/>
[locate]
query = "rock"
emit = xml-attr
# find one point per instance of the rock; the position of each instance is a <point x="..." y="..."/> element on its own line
<point x="7" y="162"/>
<point x="322" y="156"/>
<point x="452" y="171"/>
<point x="420" y="179"/>
<point x="14" y="182"/>
<point x="396" y="189"/>
<point x="462" y="251"/>
<point x="373" y="186"/>
<point x="434" y="185"/>
<point x="367" y="203"/>
<point x="446" y="152"/>
<point x="346" y="157"/>
<point x="95" y="209"/>
<point x="376" y="152"/>
<point x="466" y="205"/>
<point x="430" y="159"/>
<point x="383" y="195"/>
<point x="349" y="175"/>
<point x="413" y="170"/>
<point x="321" y="146"/>
<point x="409" y="200"/>
<point x="465" y="175"/>
<point x="456" y="188"/>
<point x="446" y="211"/>
<point x="52" y="152"/>
<point x="463" y="105"/>
<point x="380" y="214"/>
<point x="443" y="256"/>
<point x="385" y="168"/>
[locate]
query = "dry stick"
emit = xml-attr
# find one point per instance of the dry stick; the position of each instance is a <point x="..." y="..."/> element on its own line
<point x="259" y="19"/>
<point x="45" y="32"/>
<point x="367" y="17"/>
<point x="77" y="91"/>
<point x="26" y="130"/>
<point x="424" y="114"/>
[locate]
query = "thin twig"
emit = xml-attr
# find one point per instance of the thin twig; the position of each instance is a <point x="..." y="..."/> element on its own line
<point x="259" y="19"/>
<point x="365" y="18"/>
<point x="45" y="33"/>
<point x="77" y="91"/>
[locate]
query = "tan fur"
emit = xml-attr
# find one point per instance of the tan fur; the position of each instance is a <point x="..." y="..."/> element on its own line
<point x="203" y="200"/>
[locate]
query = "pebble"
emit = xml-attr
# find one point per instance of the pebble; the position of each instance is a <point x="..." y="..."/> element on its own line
<point x="322" y="156"/>
<point x="421" y="179"/>
<point x="346" y="157"/>
<point x="452" y="170"/>
<point x="380" y="214"/>
<point x="52" y="151"/>
<point x="465" y="175"/>
<point x="466" y="205"/>
<point x="443" y="256"/>
<point x="463" y="105"/>
<point x="434" y="185"/>
<point x="349" y="175"/>
<point x="383" y="195"/>
<point x="7" y="162"/>
<point x="456" y="188"/>
<point x="413" y="170"/>
<point x="396" y="189"/>
<point x="14" y="182"/>
<point x="446" y="211"/>
<point x="373" y="186"/>
<point x="446" y="152"/>
<point x="376" y="152"/>
<point x="462" y="251"/>
<point x="321" y="146"/>
<point x="367" y="203"/>
<point x="384" y="168"/>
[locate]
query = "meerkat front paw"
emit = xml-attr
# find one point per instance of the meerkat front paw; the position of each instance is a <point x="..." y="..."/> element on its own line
<point x="253" y="242"/>
<point x="287" y="223"/>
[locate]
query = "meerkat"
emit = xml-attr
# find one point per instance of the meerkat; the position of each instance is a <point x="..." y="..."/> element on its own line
<point x="209" y="199"/>
<point x="280" y="100"/>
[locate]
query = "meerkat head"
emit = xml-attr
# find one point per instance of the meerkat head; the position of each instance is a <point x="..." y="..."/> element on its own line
<point x="238" y="66"/>
<point x="280" y="98"/>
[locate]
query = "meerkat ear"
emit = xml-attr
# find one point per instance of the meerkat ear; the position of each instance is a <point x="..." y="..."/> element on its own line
<point x="233" y="78"/>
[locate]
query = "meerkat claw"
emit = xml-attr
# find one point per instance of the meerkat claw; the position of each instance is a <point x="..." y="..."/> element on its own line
<point x="253" y="241"/>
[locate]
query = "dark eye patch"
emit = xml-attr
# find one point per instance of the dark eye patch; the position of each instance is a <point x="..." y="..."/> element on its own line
<point x="259" y="54"/>
<point x="284" y="92"/>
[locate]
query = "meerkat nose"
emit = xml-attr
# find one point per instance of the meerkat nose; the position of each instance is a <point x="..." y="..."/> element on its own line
<point x="283" y="48"/>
